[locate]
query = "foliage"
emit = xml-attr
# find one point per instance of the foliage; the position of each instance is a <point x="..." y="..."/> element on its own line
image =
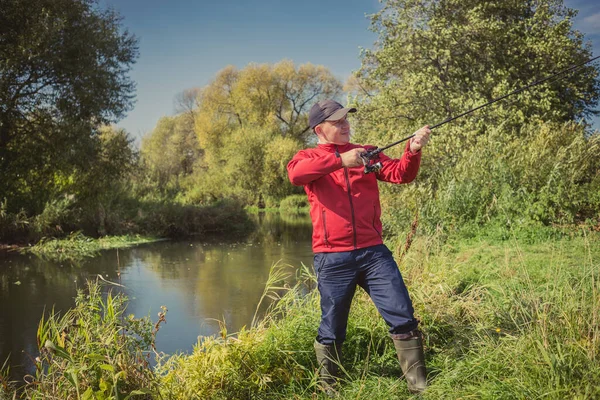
<point x="251" y="122"/>
<point x="551" y="174"/>
<point x="7" y="388"/>
<point x="170" y="151"/>
<point x="247" y="123"/>
<point x="223" y="218"/>
<point x="125" y="216"/>
<point x="518" y="160"/>
<point x="502" y="319"/>
<point x="419" y="71"/>
<point x="435" y="59"/>
<point x="11" y="224"/>
<point x="274" y="97"/>
<point x="294" y="204"/>
<point x="77" y="246"/>
<point x="258" y="362"/>
<point x="275" y="182"/>
<point x="95" y="351"/>
<point x="63" y="74"/>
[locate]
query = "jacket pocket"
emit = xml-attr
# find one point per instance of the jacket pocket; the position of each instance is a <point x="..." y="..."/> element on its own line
<point x="325" y="237"/>
<point x="375" y="219"/>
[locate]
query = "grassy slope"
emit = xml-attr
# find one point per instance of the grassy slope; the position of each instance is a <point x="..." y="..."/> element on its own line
<point x="502" y="320"/>
<point x="512" y="319"/>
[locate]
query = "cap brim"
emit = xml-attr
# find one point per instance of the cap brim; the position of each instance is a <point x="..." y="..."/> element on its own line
<point x="339" y="114"/>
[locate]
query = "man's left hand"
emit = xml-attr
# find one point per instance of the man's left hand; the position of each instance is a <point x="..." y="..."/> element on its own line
<point x="420" y="139"/>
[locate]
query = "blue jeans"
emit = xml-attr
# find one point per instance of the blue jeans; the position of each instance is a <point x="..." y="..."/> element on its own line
<point x="375" y="270"/>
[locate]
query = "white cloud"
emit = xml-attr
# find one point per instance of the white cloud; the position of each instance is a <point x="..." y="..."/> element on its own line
<point x="591" y="24"/>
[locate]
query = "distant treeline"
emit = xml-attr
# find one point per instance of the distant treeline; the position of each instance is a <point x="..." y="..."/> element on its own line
<point x="531" y="159"/>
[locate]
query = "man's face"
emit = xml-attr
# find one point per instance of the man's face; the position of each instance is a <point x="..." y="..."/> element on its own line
<point x="334" y="132"/>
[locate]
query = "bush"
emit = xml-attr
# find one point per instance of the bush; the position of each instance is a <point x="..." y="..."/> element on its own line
<point x="295" y="204"/>
<point x="95" y="351"/>
<point x="543" y="173"/>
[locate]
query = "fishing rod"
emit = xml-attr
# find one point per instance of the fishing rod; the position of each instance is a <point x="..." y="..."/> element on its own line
<point x="369" y="155"/>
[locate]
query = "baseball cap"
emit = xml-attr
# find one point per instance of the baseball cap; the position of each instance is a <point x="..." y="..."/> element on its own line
<point x="327" y="110"/>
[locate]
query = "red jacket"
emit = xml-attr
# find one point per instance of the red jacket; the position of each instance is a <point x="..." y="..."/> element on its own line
<point x="344" y="202"/>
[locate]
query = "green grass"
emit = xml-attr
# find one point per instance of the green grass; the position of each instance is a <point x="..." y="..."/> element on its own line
<point x="256" y="209"/>
<point x="77" y="246"/>
<point x="294" y="204"/>
<point x="503" y="319"/>
<point x="94" y="351"/>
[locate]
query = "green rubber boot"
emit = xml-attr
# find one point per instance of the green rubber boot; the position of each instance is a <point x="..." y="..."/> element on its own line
<point x="409" y="348"/>
<point x="328" y="357"/>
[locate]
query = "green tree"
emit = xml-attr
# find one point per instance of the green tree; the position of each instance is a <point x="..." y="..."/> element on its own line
<point x="63" y="73"/>
<point x="274" y="97"/>
<point x="435" y="59"/>
<point x="250" y="122"/>
<point x="171" y="150"/>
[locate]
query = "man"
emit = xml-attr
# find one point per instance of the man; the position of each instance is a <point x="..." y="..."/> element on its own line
<point x="347" y="241"/>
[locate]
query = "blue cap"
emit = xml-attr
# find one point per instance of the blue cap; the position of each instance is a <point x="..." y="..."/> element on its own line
<point x="327" y="110"/>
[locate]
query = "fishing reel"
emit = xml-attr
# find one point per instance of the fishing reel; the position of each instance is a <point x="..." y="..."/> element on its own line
<point x="371" y="161"/>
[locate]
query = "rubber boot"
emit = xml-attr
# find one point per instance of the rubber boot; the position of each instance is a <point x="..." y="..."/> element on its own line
<point x="328" y="357"/>
<point x="409" y="348"/>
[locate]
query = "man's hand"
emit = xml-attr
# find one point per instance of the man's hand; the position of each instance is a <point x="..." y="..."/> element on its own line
<point x="420" y="139"/>
<point x="352" y="158"/>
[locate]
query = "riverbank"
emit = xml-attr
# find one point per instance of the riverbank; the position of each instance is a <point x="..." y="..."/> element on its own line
<point x="142" y="222"/>
<point x="508" y="318"/>
<point x="77" y="246"/>
<point x="162" y="219"/>
<point x="502" y="319"/>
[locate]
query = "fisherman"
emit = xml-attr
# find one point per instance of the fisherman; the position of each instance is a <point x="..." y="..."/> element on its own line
<point x="347" y="239"/>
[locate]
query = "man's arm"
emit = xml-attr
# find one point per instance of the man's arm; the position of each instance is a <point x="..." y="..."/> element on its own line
<point x="405" y="169"/>
<point x="303" y="169"/>
<point x="400" y="170"/>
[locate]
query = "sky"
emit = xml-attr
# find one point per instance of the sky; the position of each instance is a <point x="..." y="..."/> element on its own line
<point x="184" y="43"/>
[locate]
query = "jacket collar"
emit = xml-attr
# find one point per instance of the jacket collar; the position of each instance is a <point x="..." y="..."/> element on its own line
<point x="331" y="148"/>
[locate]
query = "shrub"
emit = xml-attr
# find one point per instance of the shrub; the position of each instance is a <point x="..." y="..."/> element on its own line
<point x="94" y="351"/>
<point x="295" y="204"/>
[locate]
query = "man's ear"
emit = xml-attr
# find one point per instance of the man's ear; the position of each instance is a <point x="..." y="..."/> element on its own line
<point x="318" y="129"/>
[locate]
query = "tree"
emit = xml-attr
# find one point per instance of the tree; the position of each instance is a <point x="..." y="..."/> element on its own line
<point x="274" y="97"/>
<point x="186" y="103"/>
<point x="435" y="59"/>
<point x="171" y="150"/>
<point x="63" y="73"/>
<point x="250" y="122"/>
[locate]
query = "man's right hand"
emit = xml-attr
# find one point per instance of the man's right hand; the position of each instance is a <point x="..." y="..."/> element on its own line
<point x="352" y="158"/>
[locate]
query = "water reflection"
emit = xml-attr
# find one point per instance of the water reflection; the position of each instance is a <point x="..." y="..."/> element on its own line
<point x="198" y="282"/>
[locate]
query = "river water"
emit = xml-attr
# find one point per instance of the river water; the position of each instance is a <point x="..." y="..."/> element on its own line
<point x="199" y="283"/>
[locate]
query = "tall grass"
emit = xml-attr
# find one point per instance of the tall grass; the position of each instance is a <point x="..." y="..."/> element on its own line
<point x="94" y="351"/>
<point x="503" y="319"/>
<point x="77" y="246"/>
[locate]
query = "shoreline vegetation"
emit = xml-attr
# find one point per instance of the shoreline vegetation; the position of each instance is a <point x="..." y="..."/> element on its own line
<point x="77" y="245"/>
<point x="46" y="236"/>
<point x="502" y="318"/>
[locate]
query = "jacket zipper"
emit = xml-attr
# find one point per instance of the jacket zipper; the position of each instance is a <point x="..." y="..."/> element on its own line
<point x="325" y="229"/>
<point x="337" y="153"/>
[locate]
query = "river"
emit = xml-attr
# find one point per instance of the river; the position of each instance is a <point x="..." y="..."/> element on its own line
<point x="200" y="283"/>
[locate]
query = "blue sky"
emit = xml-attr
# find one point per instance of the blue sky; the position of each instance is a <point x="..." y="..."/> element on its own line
<point x="184" y="43"/>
